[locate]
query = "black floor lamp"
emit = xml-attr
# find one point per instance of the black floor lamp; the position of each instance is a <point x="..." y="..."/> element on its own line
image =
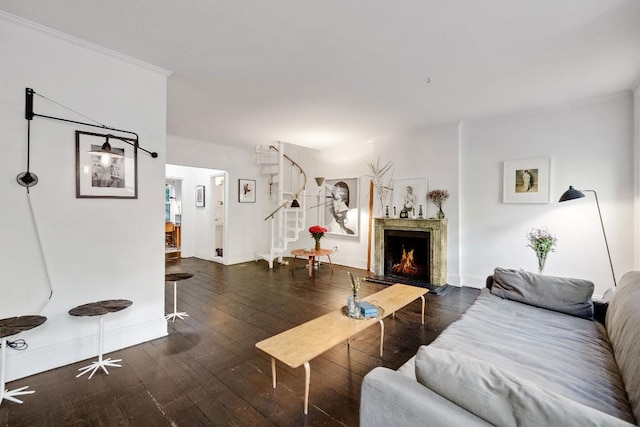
<point x="572" y="194"/>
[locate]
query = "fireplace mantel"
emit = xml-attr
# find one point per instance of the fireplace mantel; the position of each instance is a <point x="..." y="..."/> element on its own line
<point x="437" y="229"/>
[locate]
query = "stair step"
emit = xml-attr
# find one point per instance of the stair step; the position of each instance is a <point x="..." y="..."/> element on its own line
<point x="267" y="159"/>
<point x="269" y="169"/>
<point x="262" y="148"/>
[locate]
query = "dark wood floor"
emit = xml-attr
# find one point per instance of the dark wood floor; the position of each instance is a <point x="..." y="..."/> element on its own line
<point x="207" y="371"/>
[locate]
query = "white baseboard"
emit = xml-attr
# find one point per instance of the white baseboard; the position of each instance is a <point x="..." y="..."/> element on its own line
<point x="471" y="281"/>
<point x="21" y="364"/>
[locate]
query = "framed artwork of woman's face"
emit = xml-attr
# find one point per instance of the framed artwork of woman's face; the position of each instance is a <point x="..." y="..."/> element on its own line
<point x="341" y="208"/>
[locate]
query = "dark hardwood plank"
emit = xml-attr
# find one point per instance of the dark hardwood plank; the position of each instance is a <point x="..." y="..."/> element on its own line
<point x="207" y="371"/>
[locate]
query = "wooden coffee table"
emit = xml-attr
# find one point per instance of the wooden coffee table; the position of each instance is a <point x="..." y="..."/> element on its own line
<point x="311" y="254"/>
<point x="297" y="346"/>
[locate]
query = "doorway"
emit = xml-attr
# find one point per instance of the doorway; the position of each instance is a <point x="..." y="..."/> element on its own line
<point x="218" y="199"/>
<point x="200" y="196"/>
<point x="172" y="218"/>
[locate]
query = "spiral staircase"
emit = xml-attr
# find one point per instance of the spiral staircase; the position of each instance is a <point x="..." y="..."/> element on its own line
<point x="287" y="181"/>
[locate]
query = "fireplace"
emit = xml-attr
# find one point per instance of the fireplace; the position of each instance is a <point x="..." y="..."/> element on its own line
<point x="406" y="255"/>
<point x="412" y="251"/>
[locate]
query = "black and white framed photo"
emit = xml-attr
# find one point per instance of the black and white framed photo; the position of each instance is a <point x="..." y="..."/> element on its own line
<point x="106" y="167"/>
<point x="409" y="194"/>
<point x="246" y="190"/>
<point x="526" y="181"/>
<point x="200" y="196"/>
<point x="341" y="209"/>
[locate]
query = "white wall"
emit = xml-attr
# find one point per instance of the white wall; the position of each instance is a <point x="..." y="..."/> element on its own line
<point x="430" y="153"/>
<point x="197" y="232"/>
<point x="95" y="249"/>
<point x="636" y="231"/>
<point x="591" y="147"/>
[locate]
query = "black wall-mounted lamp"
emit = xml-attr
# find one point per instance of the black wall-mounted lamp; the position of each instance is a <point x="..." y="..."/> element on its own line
<point x="572" y="194"/>
<point x="28" y="178"/>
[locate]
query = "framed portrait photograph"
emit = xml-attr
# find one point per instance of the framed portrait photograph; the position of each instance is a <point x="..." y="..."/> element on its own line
<point x="526" y="181"/>
<point x="409" y="194"/>
<point x="200" y="195"/>
<point x="246" y="190"/>
<point x="106" y="167"/>
<point x="341" y="210"/>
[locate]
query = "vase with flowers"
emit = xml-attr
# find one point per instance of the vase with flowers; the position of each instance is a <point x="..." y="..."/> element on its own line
<point x="542" y="242"/>
<point x="317" y="232"/>
<point x="438" y="197"/>
<point x="353" y="302"/>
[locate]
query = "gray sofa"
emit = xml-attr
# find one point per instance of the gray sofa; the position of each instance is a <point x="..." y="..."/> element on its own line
<point x="528" y="353"/>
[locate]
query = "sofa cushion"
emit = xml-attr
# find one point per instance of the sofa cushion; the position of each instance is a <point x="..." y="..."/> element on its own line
<point x="623" y="327"/>
<point x="499" y="397"/>
<point x="567" y="355"/>
<point x="408" y="369"/>
<point x="565" y="295"/>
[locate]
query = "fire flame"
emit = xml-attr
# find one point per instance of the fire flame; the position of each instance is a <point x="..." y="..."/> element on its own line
<point x="406" y="265"/>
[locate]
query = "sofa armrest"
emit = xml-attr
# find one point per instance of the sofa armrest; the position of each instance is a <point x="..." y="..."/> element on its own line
<point x="390" y="398"/>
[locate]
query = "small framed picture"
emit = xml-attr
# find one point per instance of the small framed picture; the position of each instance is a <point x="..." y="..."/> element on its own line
<point x="199" y="196"/>
<point x="526" y="181"/>
<point x="246" y="191"/>
<point x="106" y="167"/>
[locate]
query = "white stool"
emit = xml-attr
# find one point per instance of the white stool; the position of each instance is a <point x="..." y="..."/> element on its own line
<point x="100" y="308"/>
<point x="175" y="278"/>
<point x="8" y="327"/>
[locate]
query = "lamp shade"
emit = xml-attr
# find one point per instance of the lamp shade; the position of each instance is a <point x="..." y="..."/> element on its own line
<point x="295" y="203"/>
<point x="319" y="180"/>
<point x="571" y="194"/>
<point x="106" y="150"/>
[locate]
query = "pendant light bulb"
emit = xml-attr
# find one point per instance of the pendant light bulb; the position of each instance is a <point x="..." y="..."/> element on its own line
<point x="105" y="160"/>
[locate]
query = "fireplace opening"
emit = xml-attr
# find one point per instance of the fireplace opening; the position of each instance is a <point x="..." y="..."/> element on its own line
<point x="407" y="256"/>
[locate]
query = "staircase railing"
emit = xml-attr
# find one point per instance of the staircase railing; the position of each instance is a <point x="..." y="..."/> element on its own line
<point x="295" y="195"/>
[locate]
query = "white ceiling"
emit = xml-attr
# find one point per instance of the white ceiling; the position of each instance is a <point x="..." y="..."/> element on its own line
<point x="324" y="72"/>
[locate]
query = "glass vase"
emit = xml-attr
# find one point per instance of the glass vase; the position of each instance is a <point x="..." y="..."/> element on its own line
<point x="353" y="306"/>
<point x="542" y="259"/>
<point x="317" y="247"/>
<point x="440" y="213"/>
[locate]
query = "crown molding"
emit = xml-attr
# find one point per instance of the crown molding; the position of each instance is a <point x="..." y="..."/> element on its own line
<point x="82" y="43"/>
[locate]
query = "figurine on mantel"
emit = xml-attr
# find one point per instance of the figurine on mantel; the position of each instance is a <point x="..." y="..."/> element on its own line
<point x="438" y="197"/>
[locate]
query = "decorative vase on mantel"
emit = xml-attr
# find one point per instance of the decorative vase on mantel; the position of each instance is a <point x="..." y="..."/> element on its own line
<point x="438" y="197"/>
